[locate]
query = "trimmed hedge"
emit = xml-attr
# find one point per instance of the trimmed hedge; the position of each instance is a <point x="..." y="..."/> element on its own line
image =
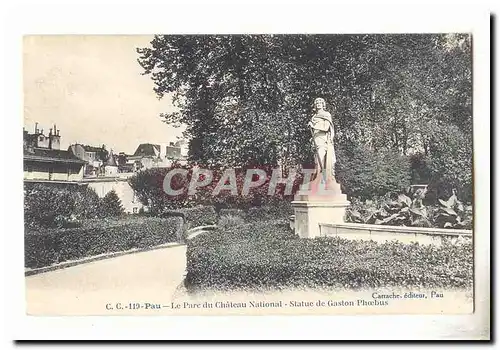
<point x="196" y="216"/>
<point x="50" y="246"/>
<point x="233" y="212"/>
<point x="267" y="255"/>
<point x="277" y="210"/>
<point x="282" y="209"/>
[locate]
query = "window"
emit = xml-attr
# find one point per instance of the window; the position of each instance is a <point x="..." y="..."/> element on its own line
<point x="134" y="210"/>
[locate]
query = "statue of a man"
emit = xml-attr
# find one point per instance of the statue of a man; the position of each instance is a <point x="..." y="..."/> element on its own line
<point x="322" y="131"/>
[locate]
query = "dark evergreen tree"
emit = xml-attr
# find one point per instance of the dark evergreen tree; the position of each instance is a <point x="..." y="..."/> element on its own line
<point x="111" y="205"/>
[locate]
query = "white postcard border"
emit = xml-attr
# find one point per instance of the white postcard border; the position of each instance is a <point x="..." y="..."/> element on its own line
<point x="256" y="17"/>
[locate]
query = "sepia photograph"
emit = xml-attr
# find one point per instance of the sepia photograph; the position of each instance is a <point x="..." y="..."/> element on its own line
<point x="259" y="174"/>
<point x="224" y="179"/>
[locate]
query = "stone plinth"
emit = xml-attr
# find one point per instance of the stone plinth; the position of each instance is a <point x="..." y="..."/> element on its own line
<point x="323" y="202"/>
<point x="319" y="190"/>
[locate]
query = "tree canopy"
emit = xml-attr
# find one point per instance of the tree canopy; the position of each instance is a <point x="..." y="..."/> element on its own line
<point x="246" y="99"/>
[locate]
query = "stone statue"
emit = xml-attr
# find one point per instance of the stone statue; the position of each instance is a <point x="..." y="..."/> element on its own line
<point x="320" y="200"/>
<point x="322" y="131"/>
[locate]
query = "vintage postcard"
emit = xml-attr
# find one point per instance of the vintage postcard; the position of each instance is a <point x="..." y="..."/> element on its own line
<point x="249" y="174"/>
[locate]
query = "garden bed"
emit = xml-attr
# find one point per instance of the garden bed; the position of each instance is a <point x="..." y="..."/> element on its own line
<point x="266" y="255"/>
<point x="44" y="247"/>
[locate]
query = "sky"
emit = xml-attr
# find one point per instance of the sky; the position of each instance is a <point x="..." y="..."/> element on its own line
<point x="91" y="87"/>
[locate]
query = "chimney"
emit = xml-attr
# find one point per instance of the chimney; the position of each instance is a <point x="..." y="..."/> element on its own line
<point x="36" y="128"/>
<point x="57" y="132"/>
<point x="55" y="128"/>
<point x="50" y="138"/>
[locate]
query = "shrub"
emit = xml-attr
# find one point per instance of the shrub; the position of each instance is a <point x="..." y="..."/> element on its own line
<point x="453" y="214"/>
<point x="43" y="204"/>
<point x="193" y="217"/>
<point x="401" y="210"/>
<point x="64" y="222"/>
<point x="111" y="205"/>
<point x="420" y="172"/>
<point x="364" y="173"/>
<point x="148" y="185"/>
<point x="266" y="255"/>
<point x="277" y="210"/>
<point x="63" y="206"/>
<point x="44" y="247"/>
<point x="201" y="215"/>
<point x="450" y="162"/>
<point x="230" y="221"/>
<point x="233" y="212"/>
<point x="87" y="204"/>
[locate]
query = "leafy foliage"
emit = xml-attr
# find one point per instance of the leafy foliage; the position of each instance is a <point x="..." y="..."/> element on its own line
<point x="453" y="214"/>
<point x="229" y="221"/>
<point x="47" y="206"/>
<point x="364" y="173"/>
<point x="402" y="94"/>
<point x="450" y="163"/>
<point x="264" y="255"/>
<point x="148" y="185"/>
<point x="87" y="204"/>
<point x="401" y="210"/>
<point x="273" y="211"/>
<point x="233" y="213"/>
<point x="61" y="206"/>
<point x="196" y="216"/>
<point x="111" y="205"/>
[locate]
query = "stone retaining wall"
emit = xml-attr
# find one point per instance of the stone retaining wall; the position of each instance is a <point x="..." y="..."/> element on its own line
<point x="382" y="233"/>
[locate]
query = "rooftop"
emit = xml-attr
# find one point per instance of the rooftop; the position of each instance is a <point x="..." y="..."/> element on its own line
<point x="88" y="148"/>
<point x="111" y="159"/>
<point x="51" y="155"/>
<point x="147" y="149"/>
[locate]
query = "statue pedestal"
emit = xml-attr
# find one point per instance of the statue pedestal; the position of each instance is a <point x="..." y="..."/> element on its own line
<point x="323" y="202"/>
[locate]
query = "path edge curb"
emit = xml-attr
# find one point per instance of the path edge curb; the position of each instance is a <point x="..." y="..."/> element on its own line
<point x="195" y="231"/>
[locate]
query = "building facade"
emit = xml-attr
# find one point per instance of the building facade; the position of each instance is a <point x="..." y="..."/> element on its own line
<point x="119" y="183"/>
<point x="44" y="161"/>
<point x="163" y="155"/>
<point x="92" y="156"/>
<point x="84" y="165"/>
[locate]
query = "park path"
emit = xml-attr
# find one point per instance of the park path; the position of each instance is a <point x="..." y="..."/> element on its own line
<point x="151" y="276"/>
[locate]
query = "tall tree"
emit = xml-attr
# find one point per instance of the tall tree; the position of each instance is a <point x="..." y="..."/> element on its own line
<point x="247" y="98"/>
